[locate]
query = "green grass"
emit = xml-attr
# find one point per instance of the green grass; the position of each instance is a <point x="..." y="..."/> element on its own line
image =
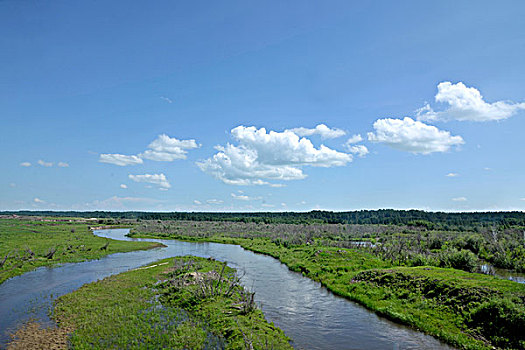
<point x="160" y="307"/>
<point x="467" y="310"/>
<point x="26" y="244"/>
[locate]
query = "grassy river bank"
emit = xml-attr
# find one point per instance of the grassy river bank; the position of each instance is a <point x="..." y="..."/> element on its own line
<point x="466" y="310"/>
<point x="28" y="244"/>
<point x="177" y="303"/>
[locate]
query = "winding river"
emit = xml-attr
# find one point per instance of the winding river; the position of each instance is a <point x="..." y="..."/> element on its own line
<point x="307" y="312"/>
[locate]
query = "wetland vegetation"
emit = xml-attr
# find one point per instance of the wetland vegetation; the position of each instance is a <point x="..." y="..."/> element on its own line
<point x="416" y="272"/>
<point x="411" y="274"/>
<point x="178" y="303"/>
<point x="26" y="244"/>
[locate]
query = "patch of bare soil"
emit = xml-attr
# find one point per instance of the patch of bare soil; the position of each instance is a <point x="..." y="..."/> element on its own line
<point x="32" y="336"/>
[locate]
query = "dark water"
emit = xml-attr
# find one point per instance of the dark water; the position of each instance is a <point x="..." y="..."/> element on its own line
<point x="308" y="313"/>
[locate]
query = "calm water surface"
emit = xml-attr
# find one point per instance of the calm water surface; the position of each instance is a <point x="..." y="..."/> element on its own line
<point x="307" y="312"/>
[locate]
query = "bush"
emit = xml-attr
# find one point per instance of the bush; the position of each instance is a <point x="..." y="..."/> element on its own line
<point x="459" y="259"/>
<point x="500" y="321"/>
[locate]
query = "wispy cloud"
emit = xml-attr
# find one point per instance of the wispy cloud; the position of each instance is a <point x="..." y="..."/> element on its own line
<point x="38" y="200"/>
<point x="452" y="175"/>
<point x="63" y="164"/>
<point x="214" y="201"/>
<point x="25" y="164"/>
<point x="45" y="164"/>
<point x="243" y="197"/>
<point x="166" y="99"/>
<point x="123" y="186"/>
<point x="120" y="159"/>
<point x="459" y="199"/>
<point x="156" y="179"/>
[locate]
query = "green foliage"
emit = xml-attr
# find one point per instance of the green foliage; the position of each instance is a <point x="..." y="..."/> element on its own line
<point x="26" y="245"/>
<point x="459" y="259"/>
<point x="160" y="306"/>
<point x="502" y="321"/>
<point x="435" y="300"/>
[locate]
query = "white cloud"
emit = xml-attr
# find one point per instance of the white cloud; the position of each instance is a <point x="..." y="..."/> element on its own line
<point x="45" y="164"/>
<point x="12" y="185"/>
<point x="25" y="164"/>
<point x="324" y="131"/>
<point x="243" y="197"/>
<point x="360" y="150"/>
<point x="262" y="156"/>
<point x="156" y="179"/>
<point x="167" y="149"/>
<point x="452" y="175"/>
<point x="196" y="202"/>
<point x="38" y="200"/>
<point x="124" y="186"/>
<point x="459" y="199"/>
<point x="412" y="136"/>
<point x="354" y="139"/>
<point x="166" y="99"/>
<point x="265" y="205"/>
<point x="214" y="201"/>
<point x="466" y="103"/>
<point x="63" y="164"/>
<point x="120" y="159"/>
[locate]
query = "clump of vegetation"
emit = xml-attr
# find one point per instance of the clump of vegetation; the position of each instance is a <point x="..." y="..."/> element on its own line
<point x="180" y="303"/>
<point x="26" y="245"/>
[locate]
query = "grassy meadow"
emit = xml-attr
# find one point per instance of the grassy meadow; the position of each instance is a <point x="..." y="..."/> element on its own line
<point x="26" y="244"/>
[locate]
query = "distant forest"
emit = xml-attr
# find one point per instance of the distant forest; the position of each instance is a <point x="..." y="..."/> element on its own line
<point x="430" y="220"/>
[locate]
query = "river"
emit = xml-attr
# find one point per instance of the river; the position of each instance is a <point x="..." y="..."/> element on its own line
<point x="308" y="313"/>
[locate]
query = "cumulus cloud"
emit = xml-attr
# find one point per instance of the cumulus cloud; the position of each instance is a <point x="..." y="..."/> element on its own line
<point x="45" y="164"/>
<point x="412" y="136"/>
<point x="466" y="103"/>
<point x="123" y="186"/>
<point x="243" y="197"/>
<point x="359" y="150"/>
<point x="261" y="156"/>
<point x="354" y="139"/>
<point x="324" y="131"/>
<point x="452" y="175"/>
<point x="38" y="200"/>
<point x="25" y="164"/>
<point x="167" y="149"/>
<point x="156" y="179"/>
<point x="120" y="159"/>
<point x="63" y="164"/>
<point x="459" y="199"/>
<point x="196" y="202"/>
<point x="166" y="99"/>
<point x="214" y="201"/>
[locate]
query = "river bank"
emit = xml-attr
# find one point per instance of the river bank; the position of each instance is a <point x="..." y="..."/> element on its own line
<point x="179" y="303"/>
<point x="453" y="311"/>
<point x="26" y="245"/>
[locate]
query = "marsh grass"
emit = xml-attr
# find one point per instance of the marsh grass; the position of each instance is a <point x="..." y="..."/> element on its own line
<point x="163" y="306"/>
<point x="467" y="310"/>
<point x="26" y="245"/>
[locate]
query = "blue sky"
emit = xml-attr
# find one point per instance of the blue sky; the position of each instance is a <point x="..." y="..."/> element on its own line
<point x="250" y="106"/>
